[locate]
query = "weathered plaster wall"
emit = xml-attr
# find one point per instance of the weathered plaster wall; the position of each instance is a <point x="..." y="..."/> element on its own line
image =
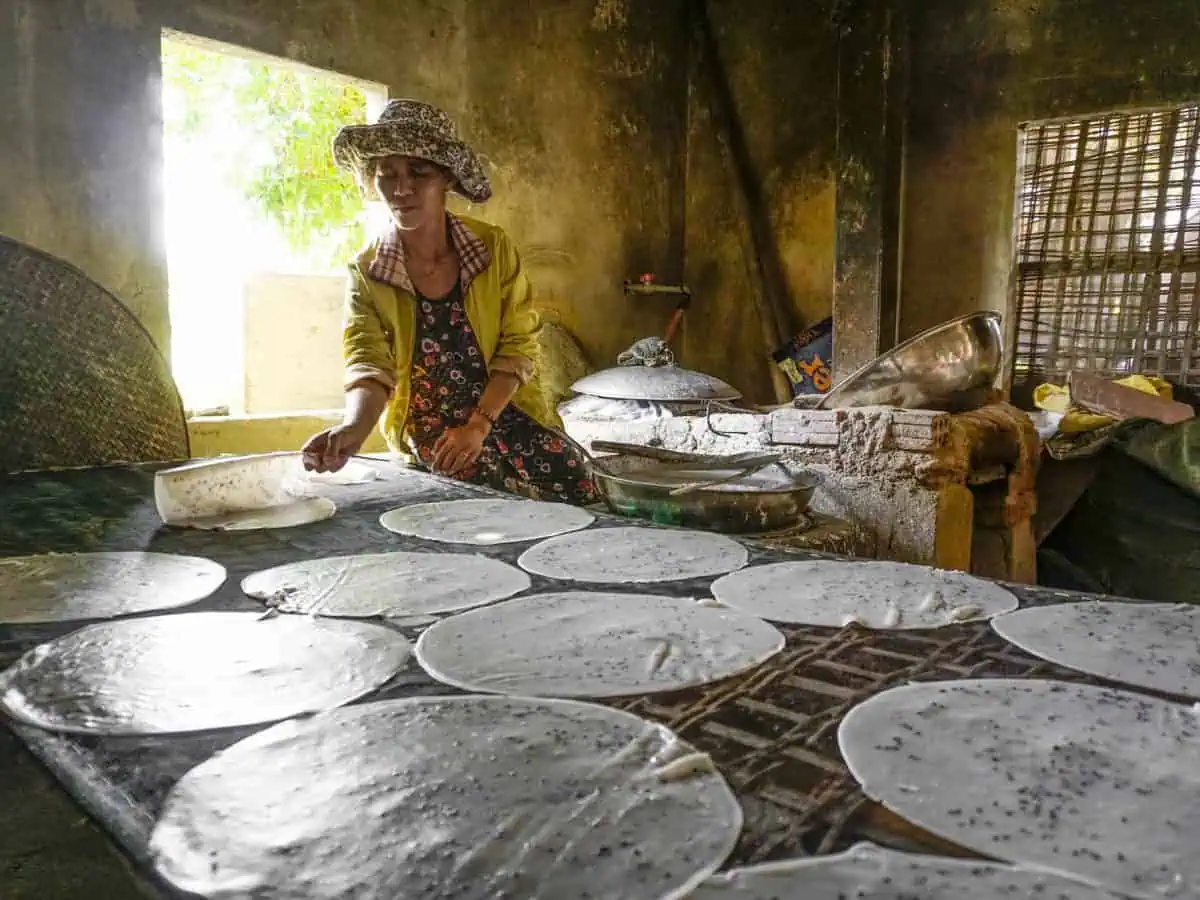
<point x="79" y="136"/>
<point x="782" y="66"/>
<point x="292" y="323"/>
<point x="577" y="105"/>
<point x="980" y="68"/>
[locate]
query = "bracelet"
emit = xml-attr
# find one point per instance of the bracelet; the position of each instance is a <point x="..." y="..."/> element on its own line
<point x="484" y="414"/>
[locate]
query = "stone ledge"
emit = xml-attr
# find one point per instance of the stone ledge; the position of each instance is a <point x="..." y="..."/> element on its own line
<point x="853" y="450"/>
<point x="900" y="476"/>
<point x="264" y="433"/>
<point x="874" y="428"/>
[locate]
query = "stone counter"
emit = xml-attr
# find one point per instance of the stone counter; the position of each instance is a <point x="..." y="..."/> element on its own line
<point x="955" y="491"/>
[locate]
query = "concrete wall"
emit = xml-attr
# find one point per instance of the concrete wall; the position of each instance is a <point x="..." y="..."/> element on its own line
<point x="600" y="138"/>
<point x="580" y="106"/>
<point x="293" y="342"/>
<point x="781" y="66"/>
<point x="980" y="68"/>
<point x="576" y="104"/>
<point x="81" y="144"/>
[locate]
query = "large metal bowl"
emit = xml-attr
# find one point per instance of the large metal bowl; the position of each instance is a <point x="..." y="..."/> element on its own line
<point x="951" y="368"/>
<point x="769" y="500"/>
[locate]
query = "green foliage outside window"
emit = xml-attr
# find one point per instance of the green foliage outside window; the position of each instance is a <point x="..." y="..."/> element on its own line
<point x="293" y="114"/>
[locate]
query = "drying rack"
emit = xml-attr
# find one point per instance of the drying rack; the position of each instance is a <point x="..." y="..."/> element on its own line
<point x="773" y="732"/>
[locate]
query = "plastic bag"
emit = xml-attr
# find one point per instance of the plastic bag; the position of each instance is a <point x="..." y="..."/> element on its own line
<point x="807" y="360"/>
<point x="1055" y="398"/>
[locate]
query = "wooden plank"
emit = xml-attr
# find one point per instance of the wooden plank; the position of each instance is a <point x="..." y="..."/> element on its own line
<point x="1060" y="485"/>
<point x="873" y="54"/>
<point x="1098" y="394"/>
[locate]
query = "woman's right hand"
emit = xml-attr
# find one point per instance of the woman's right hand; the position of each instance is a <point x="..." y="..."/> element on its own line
<point x="331" y="449"/>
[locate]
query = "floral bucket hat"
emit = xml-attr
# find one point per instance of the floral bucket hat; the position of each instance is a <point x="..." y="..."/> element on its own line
<point x="411" y="128"/>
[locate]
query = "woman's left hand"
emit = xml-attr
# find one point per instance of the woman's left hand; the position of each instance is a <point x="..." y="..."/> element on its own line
<point x="459" y="447"/>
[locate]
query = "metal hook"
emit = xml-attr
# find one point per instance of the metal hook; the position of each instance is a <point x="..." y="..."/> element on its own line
<point x="726" y="407"/>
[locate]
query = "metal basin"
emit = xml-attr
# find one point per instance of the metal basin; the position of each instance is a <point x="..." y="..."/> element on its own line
<point x="769" y="500"/>
<point x="951" y="368"/>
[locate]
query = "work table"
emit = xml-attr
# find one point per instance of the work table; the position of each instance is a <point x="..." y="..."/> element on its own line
<point x="797" y="796"/>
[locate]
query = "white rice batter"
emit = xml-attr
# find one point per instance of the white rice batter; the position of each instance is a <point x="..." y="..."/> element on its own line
<point x="1099" y="784"/>
<point x="396" y="585"/>
<point x="883" y="595"/>
<point x="586" y="644"/>
<point x="485" y="522"/>
<point x="634" y="556"/>
<point x="1147" y="645"/>
<point x="474" y="798"/>
<point x="72" y="587"/>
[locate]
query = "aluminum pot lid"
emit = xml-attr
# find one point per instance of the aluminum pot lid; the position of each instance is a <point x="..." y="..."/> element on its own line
<point x="664" y="383"/>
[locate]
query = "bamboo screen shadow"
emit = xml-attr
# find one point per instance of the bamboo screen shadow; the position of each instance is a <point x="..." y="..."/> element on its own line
<point x="1108" y="247"/>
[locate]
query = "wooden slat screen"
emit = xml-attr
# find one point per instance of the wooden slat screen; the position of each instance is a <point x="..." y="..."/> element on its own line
<point x="1108" y="247"/>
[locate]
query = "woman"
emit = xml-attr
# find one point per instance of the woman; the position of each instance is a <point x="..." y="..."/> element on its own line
<point x="440" y="331"/>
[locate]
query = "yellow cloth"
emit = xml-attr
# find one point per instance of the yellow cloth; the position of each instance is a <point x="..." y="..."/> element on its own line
<point x="379" y="328"/>
<point x="1057" y="399"/>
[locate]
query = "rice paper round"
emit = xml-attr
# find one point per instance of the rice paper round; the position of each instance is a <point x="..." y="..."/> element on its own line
<point x="634" y="556"/>
<point x="868" y="872"/>
<point x="1146" y="645"/>
<point x="485" y="522"/>
<point x="1099" y="784"/>
<point x="289" y="515"/>
<point x="465" y="797"/>
<point x="198" y="671"/>
<point x="593" y="644"/>
<point x="395" y="585"/>
<point x="240" y="493"/>
<point x="881" y="595"/>
<point x="73" y="587"/>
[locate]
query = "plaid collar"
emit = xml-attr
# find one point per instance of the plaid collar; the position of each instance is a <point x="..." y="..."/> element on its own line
<point x="388" y="265"/>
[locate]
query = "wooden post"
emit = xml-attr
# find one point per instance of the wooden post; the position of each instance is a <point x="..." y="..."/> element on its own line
<point x="873" y="55"/>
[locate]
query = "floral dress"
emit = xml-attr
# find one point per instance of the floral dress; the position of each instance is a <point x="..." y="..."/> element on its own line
<point x="449" y="374"/>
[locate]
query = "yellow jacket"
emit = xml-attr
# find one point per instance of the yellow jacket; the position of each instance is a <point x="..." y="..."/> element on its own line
<point x="379" y="323"/>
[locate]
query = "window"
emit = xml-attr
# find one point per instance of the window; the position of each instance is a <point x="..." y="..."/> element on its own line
<point x="259" y="225"/>
<point x="1108" y="247"/>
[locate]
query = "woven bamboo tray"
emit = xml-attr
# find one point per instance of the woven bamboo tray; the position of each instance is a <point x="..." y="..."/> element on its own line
<point x="81" y="381"/>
